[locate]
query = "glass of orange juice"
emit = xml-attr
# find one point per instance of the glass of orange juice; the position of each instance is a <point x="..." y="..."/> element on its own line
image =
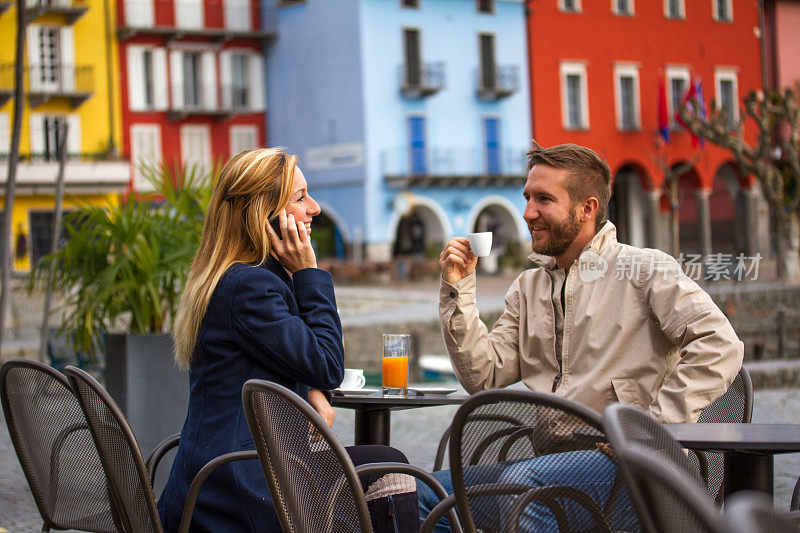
<point x="396" y="348"/>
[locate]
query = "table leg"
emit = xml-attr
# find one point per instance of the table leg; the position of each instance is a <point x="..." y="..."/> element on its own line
<point x="372" y="426"/>
<point x="748" y="471"/>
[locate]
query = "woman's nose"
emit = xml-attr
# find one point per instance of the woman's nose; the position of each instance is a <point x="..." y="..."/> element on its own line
<point x="315" y="209"/>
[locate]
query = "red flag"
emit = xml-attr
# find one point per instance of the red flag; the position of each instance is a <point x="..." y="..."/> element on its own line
<point x="663" y="114"/>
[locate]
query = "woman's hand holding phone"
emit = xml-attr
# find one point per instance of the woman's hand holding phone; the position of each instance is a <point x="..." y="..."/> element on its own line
<point x="292" y="247"/>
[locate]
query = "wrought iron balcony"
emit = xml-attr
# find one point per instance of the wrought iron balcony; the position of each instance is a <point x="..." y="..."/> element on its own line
<point x="71" y="9"/>
<point x="73" y="82"/>
<point x="139" y="18"/>
<point x="450" y="167"/>
<point x="501" y="82"/>
<point x="6" y="83"/>
<point x="421" y="81"/>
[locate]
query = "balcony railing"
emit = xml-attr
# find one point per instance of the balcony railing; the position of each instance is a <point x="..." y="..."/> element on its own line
<point x="73" y="82"/>
<point x="499" y="83"/>
<point x="6" y="83"/>
<point x="425" y="81"/>
<point x="139" y="18"/>
<point x="201" y="101"/>
<point x="71" y="9"/>
<point x="452" y="166"/>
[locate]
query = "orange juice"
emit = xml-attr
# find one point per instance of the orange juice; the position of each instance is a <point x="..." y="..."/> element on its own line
<point x="395" y="372"/>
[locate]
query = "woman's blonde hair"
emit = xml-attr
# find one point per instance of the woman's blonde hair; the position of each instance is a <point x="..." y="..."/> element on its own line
<point x="252" y="189"/>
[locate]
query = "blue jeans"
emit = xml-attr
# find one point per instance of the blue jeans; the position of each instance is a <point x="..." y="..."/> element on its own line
<point x="590" y="471"/>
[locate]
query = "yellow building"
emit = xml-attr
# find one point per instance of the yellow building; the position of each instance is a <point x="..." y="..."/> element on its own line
<point x="71" y="76"/>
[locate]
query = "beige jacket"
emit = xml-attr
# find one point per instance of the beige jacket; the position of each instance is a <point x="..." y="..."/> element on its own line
<point x="636" y="330"/>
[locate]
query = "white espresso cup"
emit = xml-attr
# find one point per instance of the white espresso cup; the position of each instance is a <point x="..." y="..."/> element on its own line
<point x="353" y="379"/>
<point x="481" y="243"/>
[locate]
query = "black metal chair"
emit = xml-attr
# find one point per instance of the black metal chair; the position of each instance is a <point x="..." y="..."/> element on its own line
<point x="127" y="475"/>
<point x="666" y="488"/>
<point x="753" y="512"/>
<point x="495" y="434"/>
<point x="54" y="448"/>
<point x="312" y="480"/>
<point x="736" y="405"/>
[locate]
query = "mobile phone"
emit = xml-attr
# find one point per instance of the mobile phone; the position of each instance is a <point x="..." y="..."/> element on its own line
<point x="276" y="227"/>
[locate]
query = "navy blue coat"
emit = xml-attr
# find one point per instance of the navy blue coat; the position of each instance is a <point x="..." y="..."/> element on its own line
<point x="263" y="324"/>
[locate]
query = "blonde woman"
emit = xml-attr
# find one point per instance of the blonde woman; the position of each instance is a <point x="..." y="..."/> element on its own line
<point x="255" y="306"/>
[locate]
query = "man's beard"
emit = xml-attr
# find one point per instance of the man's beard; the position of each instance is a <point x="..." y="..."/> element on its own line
<point x="562" y="235"/>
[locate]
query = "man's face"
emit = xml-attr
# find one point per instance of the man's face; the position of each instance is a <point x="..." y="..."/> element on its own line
<point x="552" y="219"/>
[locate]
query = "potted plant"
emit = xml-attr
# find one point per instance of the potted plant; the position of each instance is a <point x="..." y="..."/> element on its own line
<point x="120" y="274"/>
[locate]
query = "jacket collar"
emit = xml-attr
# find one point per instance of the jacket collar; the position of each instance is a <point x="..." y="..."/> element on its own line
<point x="276" y="268"/>
<point x="602" y="239"/>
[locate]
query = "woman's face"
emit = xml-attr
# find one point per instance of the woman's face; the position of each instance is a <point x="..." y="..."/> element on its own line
<point x="301" y="205"/>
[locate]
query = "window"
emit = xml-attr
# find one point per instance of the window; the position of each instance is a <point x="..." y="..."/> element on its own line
<point x="237" y="15"/>
<point x="622" y="7"/>
<point x="413" y="65"/>
<point x="727" y="94"/>
<point x="574" y="98"/>
<point x="674" y="9"/>
<point x="485" y="6"/>
<point x="488" y="66"/>
<point x="723" y="10"/>
<point x="409" y="3"/>
<point x="242" y="79"/>
<point x="147" y="72"/>
<point x="41" y="232"/>
<point x="240" y="76"/>
<point x="570" y="6"/>
<point x="191" y="80"/>
<point x="416" y="141"/>
<point x="189" y="14"/>
<point x="196" y="146"/>
<point x="491" y="134"/>
<point x="145" y="150"/>
<point x="626" y="88"/>
<point x="139" y="13"/>
<point x="45" y="131"/>
<point x="5" y="135"/>
<point x="677" y="85"/>
<point x="243" y="138"/>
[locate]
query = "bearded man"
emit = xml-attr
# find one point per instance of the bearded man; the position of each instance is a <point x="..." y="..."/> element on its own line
<point x="596" y="321"/>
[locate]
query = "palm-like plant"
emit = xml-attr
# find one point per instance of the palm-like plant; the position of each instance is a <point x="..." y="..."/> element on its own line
<point x="123" y="266"/>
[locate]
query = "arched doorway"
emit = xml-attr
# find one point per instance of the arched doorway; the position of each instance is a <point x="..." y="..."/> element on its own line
<point x="418" y="232"/>
<point x="688" y="214"/>
<point x="627" y="208"/>
<point x="728" y="211"/>
<point x="327" y="239"/>
<point x="497" y="219"/>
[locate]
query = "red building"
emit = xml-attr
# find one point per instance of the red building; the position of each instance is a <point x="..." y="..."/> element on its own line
<point x="192" y="80"/>
<point x="596" y="69"/>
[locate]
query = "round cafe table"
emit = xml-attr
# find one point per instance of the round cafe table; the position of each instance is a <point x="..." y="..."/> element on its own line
<point x="373" y="411"/>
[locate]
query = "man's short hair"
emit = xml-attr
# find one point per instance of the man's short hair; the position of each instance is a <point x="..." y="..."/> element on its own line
<point x="589" y="175"/>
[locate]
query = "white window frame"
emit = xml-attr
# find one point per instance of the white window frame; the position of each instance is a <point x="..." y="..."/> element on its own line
<point x="714" y="10"/>
<point x="681" y="7"/>
<point x="563" y="7"/>
<point x="727" y="74"/>
<point x="5" y="134"/>
<point x="136" y="78"/>
<point x="152" y="131"/>
<point x="628" y="70"/>
<point x="568" y="68"/>
<point x="239" y="131"/>
<point x="204" y="161"/>
<point x="237" y="15"/>
<point x="139" y="13"/>
<point x="631" y="9"/>
<point x="189" y="14"/>
<point x="675" y="72"/>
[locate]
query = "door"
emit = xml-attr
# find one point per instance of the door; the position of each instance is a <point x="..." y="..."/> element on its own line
<point x="491" y="128"/>
<point x="417" y="144"/>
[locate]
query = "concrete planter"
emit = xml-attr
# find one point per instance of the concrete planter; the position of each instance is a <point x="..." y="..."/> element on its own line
<point x="148" y="387"/>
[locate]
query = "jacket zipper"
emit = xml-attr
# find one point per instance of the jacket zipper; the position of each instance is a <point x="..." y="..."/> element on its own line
<point x="556" y="380"/>
<point x="392" y="513"/>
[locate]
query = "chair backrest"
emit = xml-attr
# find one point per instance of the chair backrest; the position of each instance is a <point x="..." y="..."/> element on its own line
<point x="132" y="499"/>
<point x="54" y="447"/>
<point x="313" y="482"/>
<point x="674" y="501"/>
<point x="498" y="431"/>
<point x="736" y="405"/>
<point x="629" y="427"/>
<point x="753" y="512"/>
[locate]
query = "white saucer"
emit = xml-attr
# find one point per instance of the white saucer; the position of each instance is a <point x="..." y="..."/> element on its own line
<point x="366" y="391"/>
<point x="432" y="390"/>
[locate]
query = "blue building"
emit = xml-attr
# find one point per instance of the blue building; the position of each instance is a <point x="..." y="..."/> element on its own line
<point x="411" y="117"/>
